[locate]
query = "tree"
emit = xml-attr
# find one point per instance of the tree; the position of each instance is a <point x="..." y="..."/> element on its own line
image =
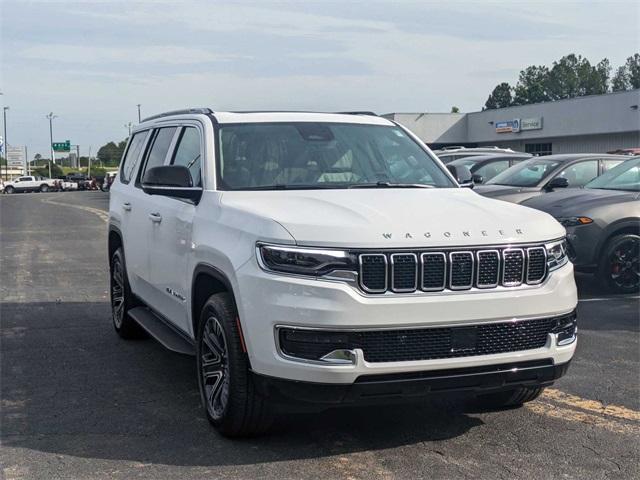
<point x="111" y="153"/>
<point x="532" y="86"/>
<point x="627" y="76"/>
<point x="455" y="109"/>
<point x="500" y="97"/>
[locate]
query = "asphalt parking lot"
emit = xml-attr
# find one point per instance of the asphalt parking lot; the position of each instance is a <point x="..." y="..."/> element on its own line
<point x="78" y="402"/>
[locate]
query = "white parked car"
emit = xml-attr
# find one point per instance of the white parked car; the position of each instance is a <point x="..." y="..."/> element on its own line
<point x="330" y="259"/>
<point x="29" y="184"/>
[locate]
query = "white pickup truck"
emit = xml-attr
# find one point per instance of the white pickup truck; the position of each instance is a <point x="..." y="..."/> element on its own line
<point x="29" y="184"/>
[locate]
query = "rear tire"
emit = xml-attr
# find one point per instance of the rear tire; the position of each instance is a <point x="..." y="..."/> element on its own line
<point x="122" y="300"/>
<point x="508" y="398"/>
<point x="227" y="391"/>
<point x="619" y="270"/>
<point x="44" y="188"/>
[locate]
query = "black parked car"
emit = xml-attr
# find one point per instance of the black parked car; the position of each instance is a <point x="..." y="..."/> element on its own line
<point x="485" y="167"/>
<point x="541" y="175"/>
<point x="603" y="225"/>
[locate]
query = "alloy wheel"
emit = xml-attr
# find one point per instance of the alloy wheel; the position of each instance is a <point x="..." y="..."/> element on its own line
<point x="625" y="264"/>
<point x="117" y="292"/>
<point x="214" y="368"/>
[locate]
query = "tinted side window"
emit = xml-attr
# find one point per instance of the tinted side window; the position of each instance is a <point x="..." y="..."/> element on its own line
<point x="492" y="169"/>
<point x="188" y="153"/>
<point x="581" y="173"/>
<point x="159" y="148"/>
<point x="609" y="164"/>
<point x="132" y="156"/>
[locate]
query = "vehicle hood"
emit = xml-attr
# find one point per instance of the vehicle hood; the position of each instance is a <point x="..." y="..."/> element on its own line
<point x="577" y="202"/>
<point x="497" y="191"/>
<point x="400" y="218"/>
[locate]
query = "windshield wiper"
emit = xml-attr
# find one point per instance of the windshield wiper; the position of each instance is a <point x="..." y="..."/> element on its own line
<point x="390" y="185"/>
<point x="284" y="186"/>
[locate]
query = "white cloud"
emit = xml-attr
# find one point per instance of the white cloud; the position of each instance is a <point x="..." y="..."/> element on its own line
<point x="91" y="55"/>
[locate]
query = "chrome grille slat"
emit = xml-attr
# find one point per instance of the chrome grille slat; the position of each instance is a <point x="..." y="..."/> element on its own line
<point x="404" y="272"/>
<point x="461" y="270"/>
<point x="488" y="269"/>
<point x="434" y="271"/>
<point x="450" y="269"/>
<point x="373" y="272"/>
<point x="512" y="267"/>
<point x="536" y="265"/>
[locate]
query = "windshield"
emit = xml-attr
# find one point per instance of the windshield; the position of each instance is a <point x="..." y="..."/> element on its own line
<point x="625" y="176"/>
<point x="526" y="174"/>
<point x="310" y="155"/>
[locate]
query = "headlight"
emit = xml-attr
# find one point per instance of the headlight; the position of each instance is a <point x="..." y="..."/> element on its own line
<point x="313" y="262"/>
<point x="574" y="221"/>
<point x="556" y="254"/>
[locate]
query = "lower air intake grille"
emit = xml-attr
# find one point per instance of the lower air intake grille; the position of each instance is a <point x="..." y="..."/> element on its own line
<point x="422" y="343"/>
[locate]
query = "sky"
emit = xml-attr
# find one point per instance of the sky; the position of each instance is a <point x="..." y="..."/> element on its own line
<point x="91" y="62"/>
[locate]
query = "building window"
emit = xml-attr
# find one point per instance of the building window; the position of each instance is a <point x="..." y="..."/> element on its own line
<point x="538" y="149"/>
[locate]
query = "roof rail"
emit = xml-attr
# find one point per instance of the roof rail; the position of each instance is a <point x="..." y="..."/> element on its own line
<point x="358" y="113"/>
<point x="185" y="111"/>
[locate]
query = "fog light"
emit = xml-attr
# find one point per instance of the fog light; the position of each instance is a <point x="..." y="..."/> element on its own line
<point x="566" y="329"/>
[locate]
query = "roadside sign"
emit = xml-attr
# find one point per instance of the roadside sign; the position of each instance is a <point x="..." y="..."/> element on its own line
<point x="16" y="156"/>
<point x="508" y="126"/>
<point x="62" y="146"/>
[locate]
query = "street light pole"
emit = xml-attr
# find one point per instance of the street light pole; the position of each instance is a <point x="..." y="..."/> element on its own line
<point x="6" y="145"/>
<point x="139" y="118"/>
<point x="51" y="116"/>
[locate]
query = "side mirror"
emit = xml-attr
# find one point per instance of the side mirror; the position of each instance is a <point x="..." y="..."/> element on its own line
<point x="477" y="179"/>
<point x="558" y="182"/>
<point x="171" y="181"/>
<point x="462" y="174"/>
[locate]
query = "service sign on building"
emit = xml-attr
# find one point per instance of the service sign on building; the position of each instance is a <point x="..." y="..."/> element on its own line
<point x="534" y="123"/>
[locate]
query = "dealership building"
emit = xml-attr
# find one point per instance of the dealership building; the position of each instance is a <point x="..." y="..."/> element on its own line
<point x="595" y="123"/>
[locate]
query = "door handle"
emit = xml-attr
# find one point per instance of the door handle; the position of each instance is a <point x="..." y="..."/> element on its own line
<point x="155" y="217"/>
<point x="126" y="206"/>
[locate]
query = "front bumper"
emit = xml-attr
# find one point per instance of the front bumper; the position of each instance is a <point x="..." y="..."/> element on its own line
<point x="268" y="301"/>
<point x="372" y="389"/>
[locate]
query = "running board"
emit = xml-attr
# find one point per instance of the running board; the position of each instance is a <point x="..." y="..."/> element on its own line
<point x="163" y="333"/>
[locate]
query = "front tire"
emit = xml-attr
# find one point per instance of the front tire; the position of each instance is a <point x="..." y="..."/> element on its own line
<point x="9" y="190"/>
<point x="44" y="188"/>
<point x="620" y="267"/>
<point x="122" y="300"/>
<point x="226" y="388"/>
<point x="508" y="398"/>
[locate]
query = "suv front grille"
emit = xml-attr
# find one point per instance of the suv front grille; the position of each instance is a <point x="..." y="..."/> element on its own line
<point x="406" y="272"/>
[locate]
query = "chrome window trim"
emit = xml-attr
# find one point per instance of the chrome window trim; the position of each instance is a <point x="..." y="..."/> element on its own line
<point x="386" y="273"/>
<point x="487" y="285"/>
<point x="461" y="287"/>
<point x="545" y="273"/>
<point x="444" y="272"/>
<point x="415" y="279"/>
<point x="504" y="264"/>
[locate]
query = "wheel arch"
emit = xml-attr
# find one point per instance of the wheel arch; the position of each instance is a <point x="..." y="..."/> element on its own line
<point x="621" y="227"/>
<point x="114" y="240"/>
<point x="208" y="280"/>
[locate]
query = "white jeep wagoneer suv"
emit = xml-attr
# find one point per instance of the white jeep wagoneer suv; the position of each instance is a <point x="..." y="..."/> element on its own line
<point x="313" y="259"/>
